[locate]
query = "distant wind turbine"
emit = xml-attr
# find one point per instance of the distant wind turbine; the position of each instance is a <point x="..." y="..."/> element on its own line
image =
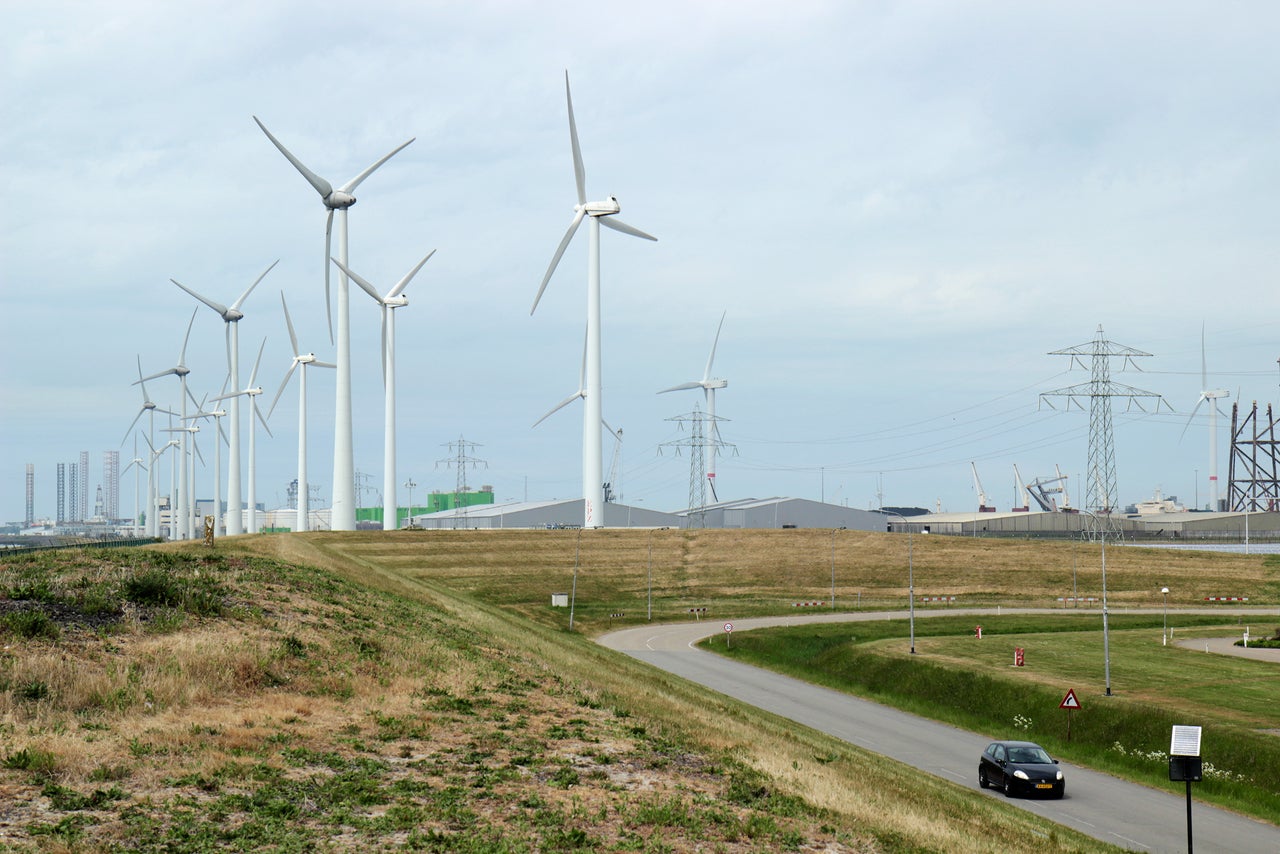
<point x="252" y="392"/>
<point x="708" y="386"/>
<point x="179" y="530"/>
<point x="307" y="360"/>
<point x="217" y="414"/>
<point x="598" y="212"/>
<point x="138" y="464"/>
<point x="152" y="528"/>
<point x="343" y="512"/>
<point x="1212" y="395"/>
<point x="231" y="316"/>
<point x="388" y="303"/>
<point x="580" y="394"/>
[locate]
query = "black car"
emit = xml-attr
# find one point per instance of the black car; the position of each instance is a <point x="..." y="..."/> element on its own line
<point x="1020" y="767"/>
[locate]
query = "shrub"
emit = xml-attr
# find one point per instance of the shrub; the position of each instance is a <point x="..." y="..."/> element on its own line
<point x="31" y="624"/>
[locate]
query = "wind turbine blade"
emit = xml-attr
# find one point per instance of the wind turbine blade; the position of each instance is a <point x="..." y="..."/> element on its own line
<point x="612" y="432"/>
<point x="323" y="187"/>
<point x="258" y="412"/>
<point x="551" y="268"/>
<point x="328" y="241"/>
<point x="1191" y="416"/>
<point x="323" y="365"/>
<point x="257" y="362"/>
<point x="1204" y="370"/>
<point x="561" y="405"/>
<point x="147" y="439"/>
<point x="146" y="398"/>
<point x="403" y="283"/>
<point x="715" y="343"/>
<point x="364" y="285"/>
<point x="182" y="357"/>
<point x="226" y="336"/>
<point x="681" y="387"/>
<point x="276" y="400"/>
<point x="156" y="376"/>
<point x="293" y="339"/>
<point x="197" y="448"/>
<point x="579" y="171"/>
<point x="355" y="182"/>
<point x="132" y="424"/>
<point x="244" y="296"/>
<point x="619" y="225"/>
<point x="213" y="304"/>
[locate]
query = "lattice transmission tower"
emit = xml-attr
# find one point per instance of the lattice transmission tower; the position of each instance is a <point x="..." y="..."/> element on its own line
<point x="700" y="438"/>
<point x="459" y="459"/>
<point x="1253" y="480"/>
<point x="1100" y="488"/>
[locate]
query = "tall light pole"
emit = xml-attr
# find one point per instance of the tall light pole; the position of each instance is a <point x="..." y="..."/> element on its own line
<point x="833" y="565"/>
<point x="651" y="530"/>
<point x="573" y="597"/>
<point x="395" y="523"/>
<point x="1106" y="636"/>
<point x="911" y="576"/>
<point x="1165" y="591"/>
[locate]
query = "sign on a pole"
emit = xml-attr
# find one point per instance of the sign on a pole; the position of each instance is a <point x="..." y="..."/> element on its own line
<point x="728" y="627"/>
<point x="1069" y="701"/>
<point x="1186" y="741"/>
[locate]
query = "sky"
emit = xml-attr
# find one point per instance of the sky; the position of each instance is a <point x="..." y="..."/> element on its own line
<point x="901" y="209"/>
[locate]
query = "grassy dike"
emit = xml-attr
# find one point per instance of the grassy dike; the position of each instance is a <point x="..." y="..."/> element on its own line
<point x="414" y="691"/>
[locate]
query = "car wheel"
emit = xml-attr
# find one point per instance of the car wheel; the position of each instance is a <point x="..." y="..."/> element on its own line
<point x="982" y="778"/>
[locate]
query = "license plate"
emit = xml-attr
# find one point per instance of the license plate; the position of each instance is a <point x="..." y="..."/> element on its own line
<point x="1044" y="785"/>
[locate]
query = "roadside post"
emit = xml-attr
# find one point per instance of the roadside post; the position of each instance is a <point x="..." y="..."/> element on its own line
<point x="728" y="634"/>
<point x="1019" y="657"/>
<point x="1070" y="703"/>
<point x="1186" y="764"/>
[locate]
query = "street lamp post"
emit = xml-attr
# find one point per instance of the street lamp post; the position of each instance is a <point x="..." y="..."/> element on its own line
<point x="651" y="530"/>
<point x="409" y="485"/>
<point x="1106" y="636"/>
<point x="833" y="565"/>
<point x="911" y="578"/>
<point x="1165" y="591"/>
<point x="573" y="597"/>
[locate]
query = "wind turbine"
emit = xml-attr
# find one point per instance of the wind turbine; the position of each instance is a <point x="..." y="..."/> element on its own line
<point x="304" y="493"/>
<point x="580" y="394"/>
<point x="219" y="526"/>
<point x="149" y="406"/>
<point x="708" y="386"/>
<point x="252" y="393"/>
<point x="138" y="464"/>
<point x="232" y="315"/>
<point x="180" y="370"/>
<point x="1211" y="395"/>
<point x="389" y="304"/>
<point x="599" y="212"/>
<point x="343" y="513"/>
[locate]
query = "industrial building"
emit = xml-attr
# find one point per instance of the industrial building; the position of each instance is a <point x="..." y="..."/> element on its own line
<point x="1186" y="525"/>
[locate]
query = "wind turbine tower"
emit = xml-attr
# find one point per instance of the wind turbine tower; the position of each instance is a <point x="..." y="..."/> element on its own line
<point x="1212" y="395"/>
<point x="599" y="213"/>
<point x="708" y="384"/>
<point x="344" y="466"/>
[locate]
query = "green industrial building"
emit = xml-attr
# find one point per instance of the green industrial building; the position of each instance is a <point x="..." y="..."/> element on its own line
<point x="436" y="502"/>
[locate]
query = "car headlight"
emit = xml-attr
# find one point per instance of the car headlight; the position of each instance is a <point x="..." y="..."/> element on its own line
<point x="1021" y="775"/>
<point x="1059" y="775"/>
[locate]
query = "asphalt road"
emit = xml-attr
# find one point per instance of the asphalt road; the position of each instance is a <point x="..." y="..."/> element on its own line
<point x="1104" y="807"/>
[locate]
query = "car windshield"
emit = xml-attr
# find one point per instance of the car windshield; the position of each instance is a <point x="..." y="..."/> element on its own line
<point x="1030" y="755"/>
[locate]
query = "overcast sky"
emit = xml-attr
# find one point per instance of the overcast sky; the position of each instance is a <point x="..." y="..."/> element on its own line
<point x="902" y="207"/>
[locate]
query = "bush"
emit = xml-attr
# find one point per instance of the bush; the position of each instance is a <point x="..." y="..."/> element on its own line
<point x="31" y="624"/>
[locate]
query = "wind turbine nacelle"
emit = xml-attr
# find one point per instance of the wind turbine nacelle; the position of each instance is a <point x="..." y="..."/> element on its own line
<point x="305" y="360"/>
<point x="396" y="302"/>
<point x="253" y="391"/>
<point x="339" y="201"/>
<point x="609" y="206"/>
<point x="231" y="315"/>
<point x="716" y="384"/>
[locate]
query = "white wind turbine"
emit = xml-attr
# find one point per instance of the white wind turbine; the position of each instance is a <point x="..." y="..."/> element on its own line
<point x="599" y="212"/>
<point x="187" y="499"/>
<point x="231" y="316"/>
<point x="388" y="303"/>
<point x="1213" y="396"/>
<point x="252" y="392"/>
<point x="580" y="394"/>
<point x="148" y="406"/>
<point x="178" y="529"/>
<point x="217" y="414"/>
<point x="708" y="384"/>
<point x="343" y="512"/>
<point x="304" y="493"/>
<point x="138" y="464"/>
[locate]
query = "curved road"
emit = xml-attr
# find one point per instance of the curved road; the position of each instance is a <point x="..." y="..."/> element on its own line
<point x="1105" y="807"/>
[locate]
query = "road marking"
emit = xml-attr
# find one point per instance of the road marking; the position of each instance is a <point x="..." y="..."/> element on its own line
<point x="955" y="774"/>
<point x="1132" y="842"/>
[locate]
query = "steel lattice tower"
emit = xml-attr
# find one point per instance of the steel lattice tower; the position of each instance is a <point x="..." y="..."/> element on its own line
<point x="459" y="460"/>
<point x="31" y="493"/>
<point x="697" y="443"/>
<point x="1253" y="480"/>
<point x="1100" y="489"/>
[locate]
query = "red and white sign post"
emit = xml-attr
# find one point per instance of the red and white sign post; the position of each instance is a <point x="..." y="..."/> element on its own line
<point x="1069" y="703"/>
<point x="728" y="633"/>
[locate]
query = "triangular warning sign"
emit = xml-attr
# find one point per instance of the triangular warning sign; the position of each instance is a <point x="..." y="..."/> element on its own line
<point x="1069" y="701"/>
